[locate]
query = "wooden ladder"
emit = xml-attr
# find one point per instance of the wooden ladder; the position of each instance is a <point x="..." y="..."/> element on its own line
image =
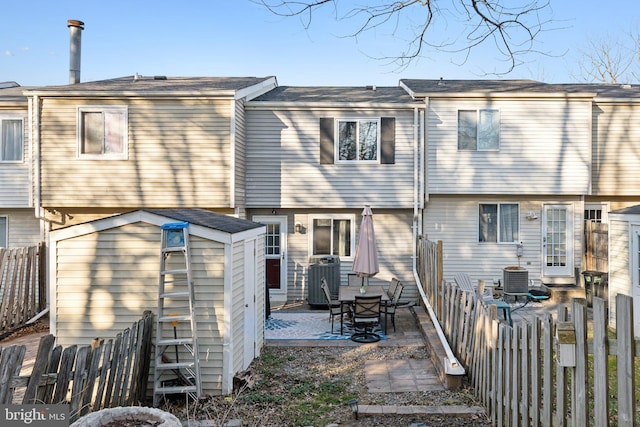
<point x="177" y="367"/>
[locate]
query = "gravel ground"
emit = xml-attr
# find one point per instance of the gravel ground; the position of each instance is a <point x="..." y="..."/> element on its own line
<point x="310" y="386"/>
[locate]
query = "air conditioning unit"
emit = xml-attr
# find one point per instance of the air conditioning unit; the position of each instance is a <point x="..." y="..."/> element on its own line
<point x="515" y="280"/>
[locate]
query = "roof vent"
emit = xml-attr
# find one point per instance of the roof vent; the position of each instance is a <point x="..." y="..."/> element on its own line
<point x="441" y="82"/>
<point x="625" y="86"/>
<point x="159" y="77"/>
<point x="371" y="87"/>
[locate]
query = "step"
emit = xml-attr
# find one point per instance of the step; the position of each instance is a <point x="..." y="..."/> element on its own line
<point x="175" y="271"/>
<point x="175" y="341"/>
<point x="176" y="389"/>
<point x="170" y="249"/>
<point x="180" y="318"/>
<point x="174" y="365"/>
<point x="174" y="295"/>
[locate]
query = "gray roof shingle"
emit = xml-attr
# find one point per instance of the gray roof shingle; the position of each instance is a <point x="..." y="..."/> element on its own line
<point x="336" y="94"/>
<point x="205" y="218"/>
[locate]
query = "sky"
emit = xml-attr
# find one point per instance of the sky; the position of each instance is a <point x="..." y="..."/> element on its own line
<point x="218" y="38"/>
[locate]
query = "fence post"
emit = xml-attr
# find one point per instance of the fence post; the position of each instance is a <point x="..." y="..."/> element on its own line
<point x="625" y="356"/>
<point x="579" y="382"/>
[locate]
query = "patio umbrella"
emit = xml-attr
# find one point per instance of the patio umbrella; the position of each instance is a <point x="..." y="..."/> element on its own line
<point x="365" y="261"/>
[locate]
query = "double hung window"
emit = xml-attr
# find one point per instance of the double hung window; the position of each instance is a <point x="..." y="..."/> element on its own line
<point x="102" y="132"/>
<point x="11" y="139"/>
<point x="332" y="235"/>
<point x="478" y="130"/>
<point x="358" y="140"/>
<point x="499" y="223"/>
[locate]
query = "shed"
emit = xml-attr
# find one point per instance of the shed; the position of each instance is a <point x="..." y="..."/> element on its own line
<point x="624" y="263"/>
<point x="105" y="273"/>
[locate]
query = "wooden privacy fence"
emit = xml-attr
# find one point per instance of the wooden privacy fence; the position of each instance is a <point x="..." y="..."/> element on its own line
<point x="22" y="285"/>
<point x="88" y="378"/>
<point x="546" y="372"/>
<point x="596" y="246"/>
<point x="429" y="267"/>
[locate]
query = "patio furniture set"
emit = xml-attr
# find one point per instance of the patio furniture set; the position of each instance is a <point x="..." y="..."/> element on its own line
<point x="364" y="306"/>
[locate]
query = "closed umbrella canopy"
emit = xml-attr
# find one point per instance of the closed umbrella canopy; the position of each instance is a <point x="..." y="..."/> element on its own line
<point x="365" y="261"/>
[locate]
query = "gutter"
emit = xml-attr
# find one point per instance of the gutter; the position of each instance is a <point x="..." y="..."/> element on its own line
<point x="451" y="364"/>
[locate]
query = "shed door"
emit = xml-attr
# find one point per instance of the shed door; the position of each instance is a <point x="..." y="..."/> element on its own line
<point x="635" y="277"/>
<point x="249" y="302"/>
<point x="557" y="240"/>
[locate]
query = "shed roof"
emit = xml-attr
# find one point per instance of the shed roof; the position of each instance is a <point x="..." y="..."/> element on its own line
<point x="630" y="210"/>
<point x="205" y="218"/>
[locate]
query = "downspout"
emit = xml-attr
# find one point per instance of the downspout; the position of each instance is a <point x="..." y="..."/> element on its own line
<point x="451" y="366"/>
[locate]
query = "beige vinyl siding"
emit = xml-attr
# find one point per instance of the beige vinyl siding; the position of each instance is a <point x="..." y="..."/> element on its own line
<point x="107" y="279"/>
<point x="178" y="155"/>
<point x="619" y="265"/>
<point x="24" y="228"/>
<point x="284" y="170"/>
<point x="240" y="155"/>
<point x="616" y="132"/>
<point x="454" y="220"/>
<point x="393" y="236"/>
<point x="15" y="177"/>
<point x="544" y="148"/>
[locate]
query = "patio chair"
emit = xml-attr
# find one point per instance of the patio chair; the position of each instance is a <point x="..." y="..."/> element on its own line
<point x="487" y="298"/>
<point x="335" y="306"/>
<point x="366" y="315"/>
<point x="392" y="288"/>
<point x="390" y="308"/>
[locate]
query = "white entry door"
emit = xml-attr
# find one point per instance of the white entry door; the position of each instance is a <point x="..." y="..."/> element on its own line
<point x="250" y="291"/>
<point x="634" y="259"/>
<point x="557" y="240"/>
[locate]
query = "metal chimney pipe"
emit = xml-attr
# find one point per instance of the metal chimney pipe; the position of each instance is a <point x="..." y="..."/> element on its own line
<point x="75" y="28"/>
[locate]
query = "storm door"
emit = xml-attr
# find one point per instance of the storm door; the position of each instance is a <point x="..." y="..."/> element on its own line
<point x="557" y="241"/>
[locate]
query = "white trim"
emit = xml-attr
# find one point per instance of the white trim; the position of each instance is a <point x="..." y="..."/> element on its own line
<point x="232" y="154"/>
<point x="282" y="220"/>
<point x="336" y="139"/>
<point x="227" y="329"/>
<point x="332" y="216"/>
<point x="498" y="241"/>
<point x="24" y="120"/>
<point x="102" y="109"/>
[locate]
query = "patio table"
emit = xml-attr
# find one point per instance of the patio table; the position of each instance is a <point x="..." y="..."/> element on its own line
<point x="347" y="295"/>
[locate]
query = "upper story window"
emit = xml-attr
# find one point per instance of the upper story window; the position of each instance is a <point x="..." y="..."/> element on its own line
<point x="102" y="132"/>
<point x="332" y="235"/>
<point x="478" y="130"/>
<point x="499" y="223"/>
<point x="358" y="140"/>
<point x="366" y="140"/>
<point x="4" y="226"/>
<point x="11" y="140"/>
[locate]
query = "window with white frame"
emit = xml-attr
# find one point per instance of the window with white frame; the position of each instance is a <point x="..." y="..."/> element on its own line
<point x="478" y="130"/>
<point x="499" y="223"/>
<point x="11" y="139"/>
<point x="102" y="132"/>
<point x="358" y="140"/>
<point x="332" y="235"/>
<point x="4" y="231"/>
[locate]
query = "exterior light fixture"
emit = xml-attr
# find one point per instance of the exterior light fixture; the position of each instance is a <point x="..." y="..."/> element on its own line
<point x="353" y="404"/>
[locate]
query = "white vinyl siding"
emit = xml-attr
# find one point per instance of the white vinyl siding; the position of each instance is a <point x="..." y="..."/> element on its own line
<point x="179" y="155"/>
<point x="393" y="236"/>
<point x="616" y="130"/>
<point x="452" y="219"/>
<point x="544" y="148"/>
<point x="284" y="171"/>
<point x="620" y="280"/>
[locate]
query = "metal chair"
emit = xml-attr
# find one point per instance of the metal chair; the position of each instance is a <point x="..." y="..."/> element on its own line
<point x="391" y="307"/>
<point x="392" y="288"/>
<point x="366" y="315"/>
<point x="354" y="280"/>
<point x="335" y="306"/>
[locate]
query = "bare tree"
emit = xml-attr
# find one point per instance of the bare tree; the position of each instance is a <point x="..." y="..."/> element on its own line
<point x="512" y="26"/>
<point x="610" y="59"/>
